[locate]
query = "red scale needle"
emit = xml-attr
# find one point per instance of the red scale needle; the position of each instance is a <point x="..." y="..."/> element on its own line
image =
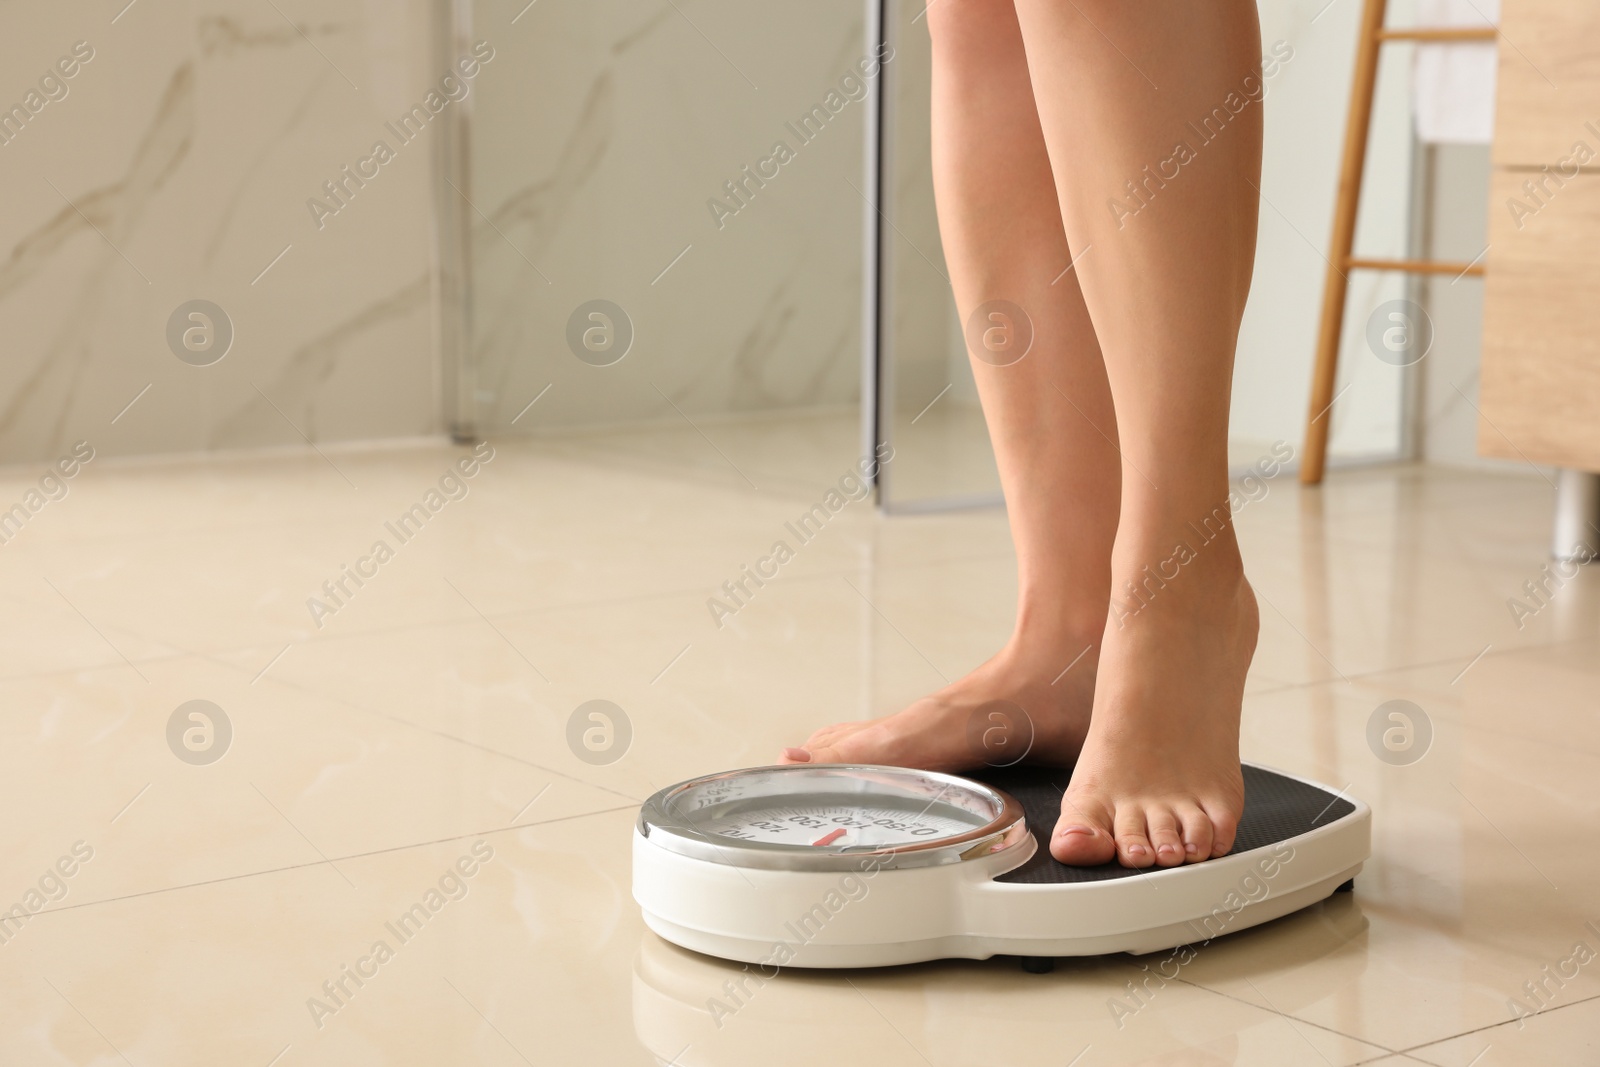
<point x="830" y="837"/>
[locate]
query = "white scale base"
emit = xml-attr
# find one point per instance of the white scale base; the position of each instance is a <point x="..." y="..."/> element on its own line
<point x="960" y="910"/>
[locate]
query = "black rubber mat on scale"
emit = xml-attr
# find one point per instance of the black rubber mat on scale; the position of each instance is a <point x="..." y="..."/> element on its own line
<point x="1276" y="808"/>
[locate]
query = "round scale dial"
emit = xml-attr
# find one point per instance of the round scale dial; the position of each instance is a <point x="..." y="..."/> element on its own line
<point x="815" y="823"/>
<point x="825" y="817"/>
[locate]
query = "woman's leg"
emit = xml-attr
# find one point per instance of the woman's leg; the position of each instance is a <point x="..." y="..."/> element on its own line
<point x="1049" y="415"/>
<point x="1158" y="185"/>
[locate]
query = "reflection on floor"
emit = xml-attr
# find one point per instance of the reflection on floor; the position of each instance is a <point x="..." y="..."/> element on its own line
<point x="403" y="856"/>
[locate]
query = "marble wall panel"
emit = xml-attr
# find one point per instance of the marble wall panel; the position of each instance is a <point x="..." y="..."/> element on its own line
<point x="177" y="166"/>
<point x="598" y="140"/>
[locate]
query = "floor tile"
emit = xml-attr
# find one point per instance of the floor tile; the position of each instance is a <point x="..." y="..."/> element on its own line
<point x="300" y="779"/>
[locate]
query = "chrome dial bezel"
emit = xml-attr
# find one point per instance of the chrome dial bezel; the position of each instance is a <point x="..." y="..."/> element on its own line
<point x="667" y="819"/>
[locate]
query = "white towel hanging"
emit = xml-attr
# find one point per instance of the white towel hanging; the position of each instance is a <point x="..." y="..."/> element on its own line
<point x="1453" y="84"/>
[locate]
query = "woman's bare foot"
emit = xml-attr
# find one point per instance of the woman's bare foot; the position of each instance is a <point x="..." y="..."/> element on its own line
<point x="1030" y="702"/>
<point x="1158" y="781"/>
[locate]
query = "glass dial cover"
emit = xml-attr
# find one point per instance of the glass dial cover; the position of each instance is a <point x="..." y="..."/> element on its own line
<point x="832" y="817"/>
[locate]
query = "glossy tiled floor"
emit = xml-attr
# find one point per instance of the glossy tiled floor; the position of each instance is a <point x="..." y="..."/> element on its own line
<point x="425" y="720"/>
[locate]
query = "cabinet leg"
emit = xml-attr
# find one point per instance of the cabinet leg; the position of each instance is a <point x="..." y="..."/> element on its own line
<point x="1576" y="536"/>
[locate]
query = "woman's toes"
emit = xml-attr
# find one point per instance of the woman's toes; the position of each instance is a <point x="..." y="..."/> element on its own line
<point x="1133" y="845"/>
<point x="821" y="747"/>
<point x="1080" y="845"/>
<point x="1082" y="839"/>
<point x="1166" y="835"/>
<point x="828" y="734"/>
<point x="1224" y="823"/>
<point x="1196" y="831"/>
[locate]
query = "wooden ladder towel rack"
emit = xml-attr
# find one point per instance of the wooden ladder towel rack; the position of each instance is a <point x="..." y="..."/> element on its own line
<point x="1373" y="35"/>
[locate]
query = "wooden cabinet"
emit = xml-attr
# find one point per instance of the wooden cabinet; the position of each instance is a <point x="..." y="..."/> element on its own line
<point x="1540" y="394"/>
<point x="1549" y="84"/>
<point x="1540" y="391"/>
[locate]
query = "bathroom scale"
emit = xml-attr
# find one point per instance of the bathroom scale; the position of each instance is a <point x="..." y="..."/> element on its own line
<point x="852" y="865"/>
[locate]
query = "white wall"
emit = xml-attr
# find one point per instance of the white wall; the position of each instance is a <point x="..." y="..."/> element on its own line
<point x="1306" y="107"/>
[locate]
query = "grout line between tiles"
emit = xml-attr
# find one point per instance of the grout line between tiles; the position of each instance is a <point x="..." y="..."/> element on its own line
<point x="329" y="862"/>
<point x="1349" y="678"/>
<point x="503" y="616"/>
<point x="1496" y="1026"/>
<point x="1286" y="1015"/>
<point x="339" y="700"/>
<point x="1380" y="671"/>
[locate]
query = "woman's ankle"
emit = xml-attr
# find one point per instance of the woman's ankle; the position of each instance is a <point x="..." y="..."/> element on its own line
<point x="1187" y="570"/>
<point x="1043" y="636"/>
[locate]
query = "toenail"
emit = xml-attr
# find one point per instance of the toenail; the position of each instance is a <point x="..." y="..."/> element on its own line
<point x="1135" y="850"/>
<point x="1191" y="848"/>
<point x="1063" y="831"/>
<point x="1167" y="849"/>
<point x="797" y="755"/>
